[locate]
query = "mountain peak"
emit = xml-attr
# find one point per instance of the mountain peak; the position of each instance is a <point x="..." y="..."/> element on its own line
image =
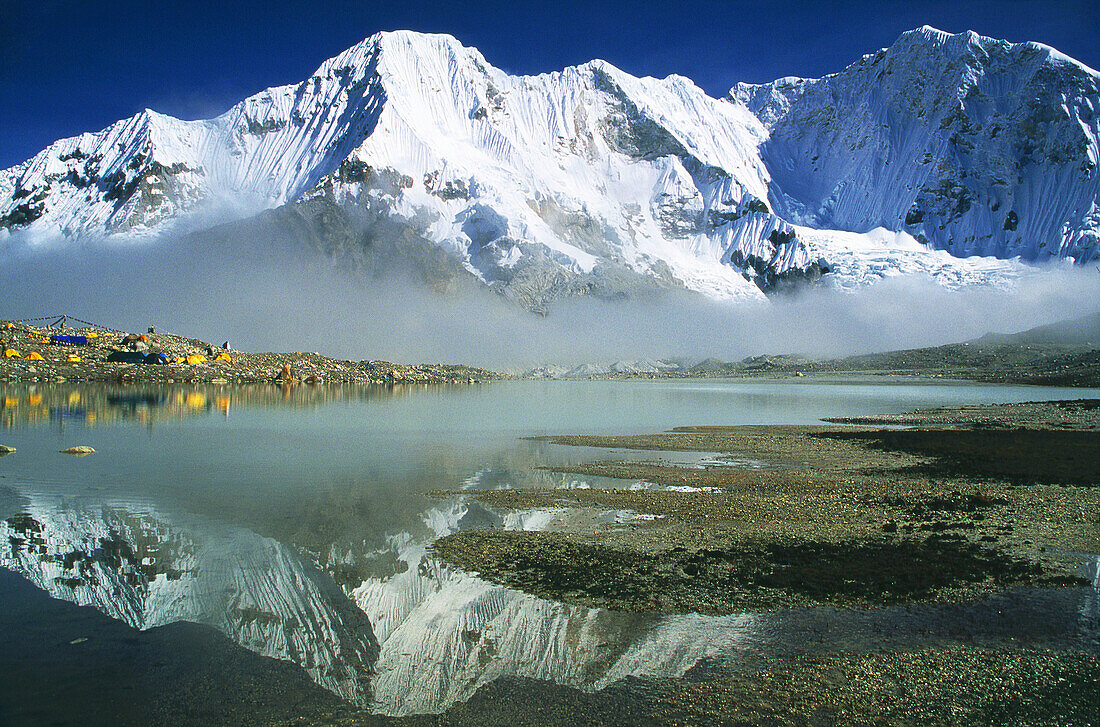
<point x="949" y="137"/>
<point x="927" y="32"/>
<point x="401" y="44"/>
<point x="970" y="41"/>
<point x="590" y="179"/>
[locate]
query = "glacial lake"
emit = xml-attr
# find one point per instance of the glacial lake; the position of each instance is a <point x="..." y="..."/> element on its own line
<point x="297" y="523"/>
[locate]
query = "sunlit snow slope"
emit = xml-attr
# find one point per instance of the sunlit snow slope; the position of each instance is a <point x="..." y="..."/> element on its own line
<point x="591" y="181"/>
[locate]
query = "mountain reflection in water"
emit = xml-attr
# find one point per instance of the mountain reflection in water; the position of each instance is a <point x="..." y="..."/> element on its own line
<point x="147" y="570"/>
<point x="443" y="633"/>
<point x="297" y="523"/>
<point x="427" y="636"/>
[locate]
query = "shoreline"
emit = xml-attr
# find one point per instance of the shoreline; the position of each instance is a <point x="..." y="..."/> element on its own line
<point x="830" y="515"/>
<point x="1074" y="365"/>
<point x="948" y="573"/>
<point x="192" y="361"/>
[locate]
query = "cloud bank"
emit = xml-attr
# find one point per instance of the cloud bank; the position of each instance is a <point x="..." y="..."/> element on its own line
<point x="262" y="295"/>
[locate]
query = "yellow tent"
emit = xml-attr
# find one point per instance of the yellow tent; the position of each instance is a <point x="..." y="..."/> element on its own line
<point x="35" y="356"/>
<point x="73" y="358"/>
<point x="11" y="353"/>
<point x="196" y="358"/>
<point x="223" y="356"/>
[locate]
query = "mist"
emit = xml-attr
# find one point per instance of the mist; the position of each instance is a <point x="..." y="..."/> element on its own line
<point x="265" y="296"/>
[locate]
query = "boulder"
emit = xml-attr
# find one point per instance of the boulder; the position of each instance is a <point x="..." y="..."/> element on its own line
<point x="285" y="376"/>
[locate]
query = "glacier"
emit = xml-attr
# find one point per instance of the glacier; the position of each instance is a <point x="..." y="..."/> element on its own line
<point x="956" y="156"/>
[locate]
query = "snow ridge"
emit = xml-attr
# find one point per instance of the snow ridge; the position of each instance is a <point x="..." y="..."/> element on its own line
<point x="589" y="179"/>
<point x="973" y="145"/>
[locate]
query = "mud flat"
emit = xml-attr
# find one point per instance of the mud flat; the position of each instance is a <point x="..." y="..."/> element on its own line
<point x="972" y="509"/>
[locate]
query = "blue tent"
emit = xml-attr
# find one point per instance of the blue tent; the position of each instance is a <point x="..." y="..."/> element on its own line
<point x="69" y="340"/>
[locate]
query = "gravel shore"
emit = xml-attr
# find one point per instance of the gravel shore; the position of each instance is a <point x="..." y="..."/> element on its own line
<point x="824" y="515"/>
<point x="905" y="576"/>
<point x="193" y="361"/>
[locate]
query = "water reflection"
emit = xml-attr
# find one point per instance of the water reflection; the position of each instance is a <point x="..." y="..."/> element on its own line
<point x="415" y="640"/>
<point x="105" y="404"/>
<point x="445" y="633"/>
<point x="298" y="523"/>
<point x="149" y="569"/>
<point x="418" y="635"/>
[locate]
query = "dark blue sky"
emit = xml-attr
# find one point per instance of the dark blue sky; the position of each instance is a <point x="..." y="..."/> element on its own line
<point x="68" y="67"/>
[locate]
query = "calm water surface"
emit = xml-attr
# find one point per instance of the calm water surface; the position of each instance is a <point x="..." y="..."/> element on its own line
<point x="297" y="524"/>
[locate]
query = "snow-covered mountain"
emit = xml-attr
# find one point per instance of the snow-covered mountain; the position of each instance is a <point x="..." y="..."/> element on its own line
<point x="974" y="145"/>
<point x="592" y="181"/>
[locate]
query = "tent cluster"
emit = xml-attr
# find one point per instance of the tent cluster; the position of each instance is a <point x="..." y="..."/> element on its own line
<point x="34" y="337"/>
<point x="137" y="357"/>
<point x="131" y="349"/>
<point x="32" y="356"/>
